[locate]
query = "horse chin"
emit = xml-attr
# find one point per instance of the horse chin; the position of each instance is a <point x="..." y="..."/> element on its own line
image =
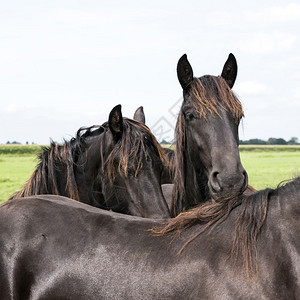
<point x="223" y="195"/>
<point x="228" y="192"/>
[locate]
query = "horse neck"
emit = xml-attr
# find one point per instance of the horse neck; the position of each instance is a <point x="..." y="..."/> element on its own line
<point x="195" y="185"/>
<point x="91" y="170"/>
<point x="168" y="172"/>
<point x="53" y="175"/>
<point x="190" y="188"/>
<point x="285" y="200"/>
<point x="267" y="218"/>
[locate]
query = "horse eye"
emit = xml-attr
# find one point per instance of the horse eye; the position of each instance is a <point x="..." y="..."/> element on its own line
<point x="189" y="116"/>
<point x="146" y="138"/>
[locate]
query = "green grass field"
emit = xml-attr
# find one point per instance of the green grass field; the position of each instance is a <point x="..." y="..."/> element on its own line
<point x="14" y="171"/>
<point x="17" y="163"/>
<point x="266" y="166"/>
<point x="268" y="169"/>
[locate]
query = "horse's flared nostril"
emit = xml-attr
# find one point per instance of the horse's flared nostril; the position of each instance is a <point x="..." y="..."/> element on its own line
<point x="215" y="174"/>
<point x="224" y="184"/>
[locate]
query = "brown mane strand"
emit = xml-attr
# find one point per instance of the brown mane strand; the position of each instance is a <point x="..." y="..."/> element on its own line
<point x="131" y="149"/>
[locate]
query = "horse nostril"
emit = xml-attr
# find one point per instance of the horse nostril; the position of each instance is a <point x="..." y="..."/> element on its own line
<point x="215" y="174"/>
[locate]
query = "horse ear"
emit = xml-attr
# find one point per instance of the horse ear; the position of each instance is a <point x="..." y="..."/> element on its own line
<point x="230" y="70"/>
<point x="115" y="122"/>
<point x="139" y="115"/>
<point x="184" y="72"/>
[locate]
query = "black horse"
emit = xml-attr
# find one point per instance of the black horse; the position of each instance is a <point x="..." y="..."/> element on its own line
<point x="115" y="166"/>
<point x="241" y="248"/>
<point x="207" y="162"/>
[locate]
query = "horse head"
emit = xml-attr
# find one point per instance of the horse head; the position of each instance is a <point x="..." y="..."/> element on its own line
<point x="207" y="157"/>
<point x="121" y="170"/>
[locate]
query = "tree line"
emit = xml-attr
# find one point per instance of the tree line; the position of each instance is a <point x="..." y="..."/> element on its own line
<point x="18" y="143"/>
<point x="271" y="141"/>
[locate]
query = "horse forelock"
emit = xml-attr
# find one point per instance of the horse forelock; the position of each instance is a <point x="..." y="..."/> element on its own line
<point x="210" y="92"/>
<point x="131" y="149"/>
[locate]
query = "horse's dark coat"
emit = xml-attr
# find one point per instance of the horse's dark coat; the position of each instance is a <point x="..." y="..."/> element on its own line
<point x="52" y="247"/>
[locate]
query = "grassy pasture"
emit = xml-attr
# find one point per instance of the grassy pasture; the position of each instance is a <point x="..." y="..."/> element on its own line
<point x="269" y="168"/>
<point x="14" y="172"/>
<point x="266" y="165"/>
<point x="17" y="163"/>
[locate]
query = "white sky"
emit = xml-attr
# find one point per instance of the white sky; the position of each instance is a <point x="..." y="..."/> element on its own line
<point x="66" y="64"/>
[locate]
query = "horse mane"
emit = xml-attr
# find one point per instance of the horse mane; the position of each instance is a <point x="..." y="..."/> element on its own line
<point x="170" y="154"/>
<point x="208" y="93"/>
<point x="131" y="148"/>
<point x="179" y="165"/>
<point x="250" y="219"/>
<point x="51" y="160"/>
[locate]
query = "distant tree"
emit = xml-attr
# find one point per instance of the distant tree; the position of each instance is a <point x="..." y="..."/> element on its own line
<point x="26" y="142"/>
<point x="164" y="142"/>
<point x="293" y="141"/>
<point x="271" y="141"/>
<point x="253" y="142"/>
<point x="275" y="141"/>
<point x="257" y="142"/>
<point x="8" y="142"/>
<point x="281" y="141"/>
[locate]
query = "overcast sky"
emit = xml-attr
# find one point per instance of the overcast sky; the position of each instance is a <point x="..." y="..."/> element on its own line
<point x="66" y="64"/>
